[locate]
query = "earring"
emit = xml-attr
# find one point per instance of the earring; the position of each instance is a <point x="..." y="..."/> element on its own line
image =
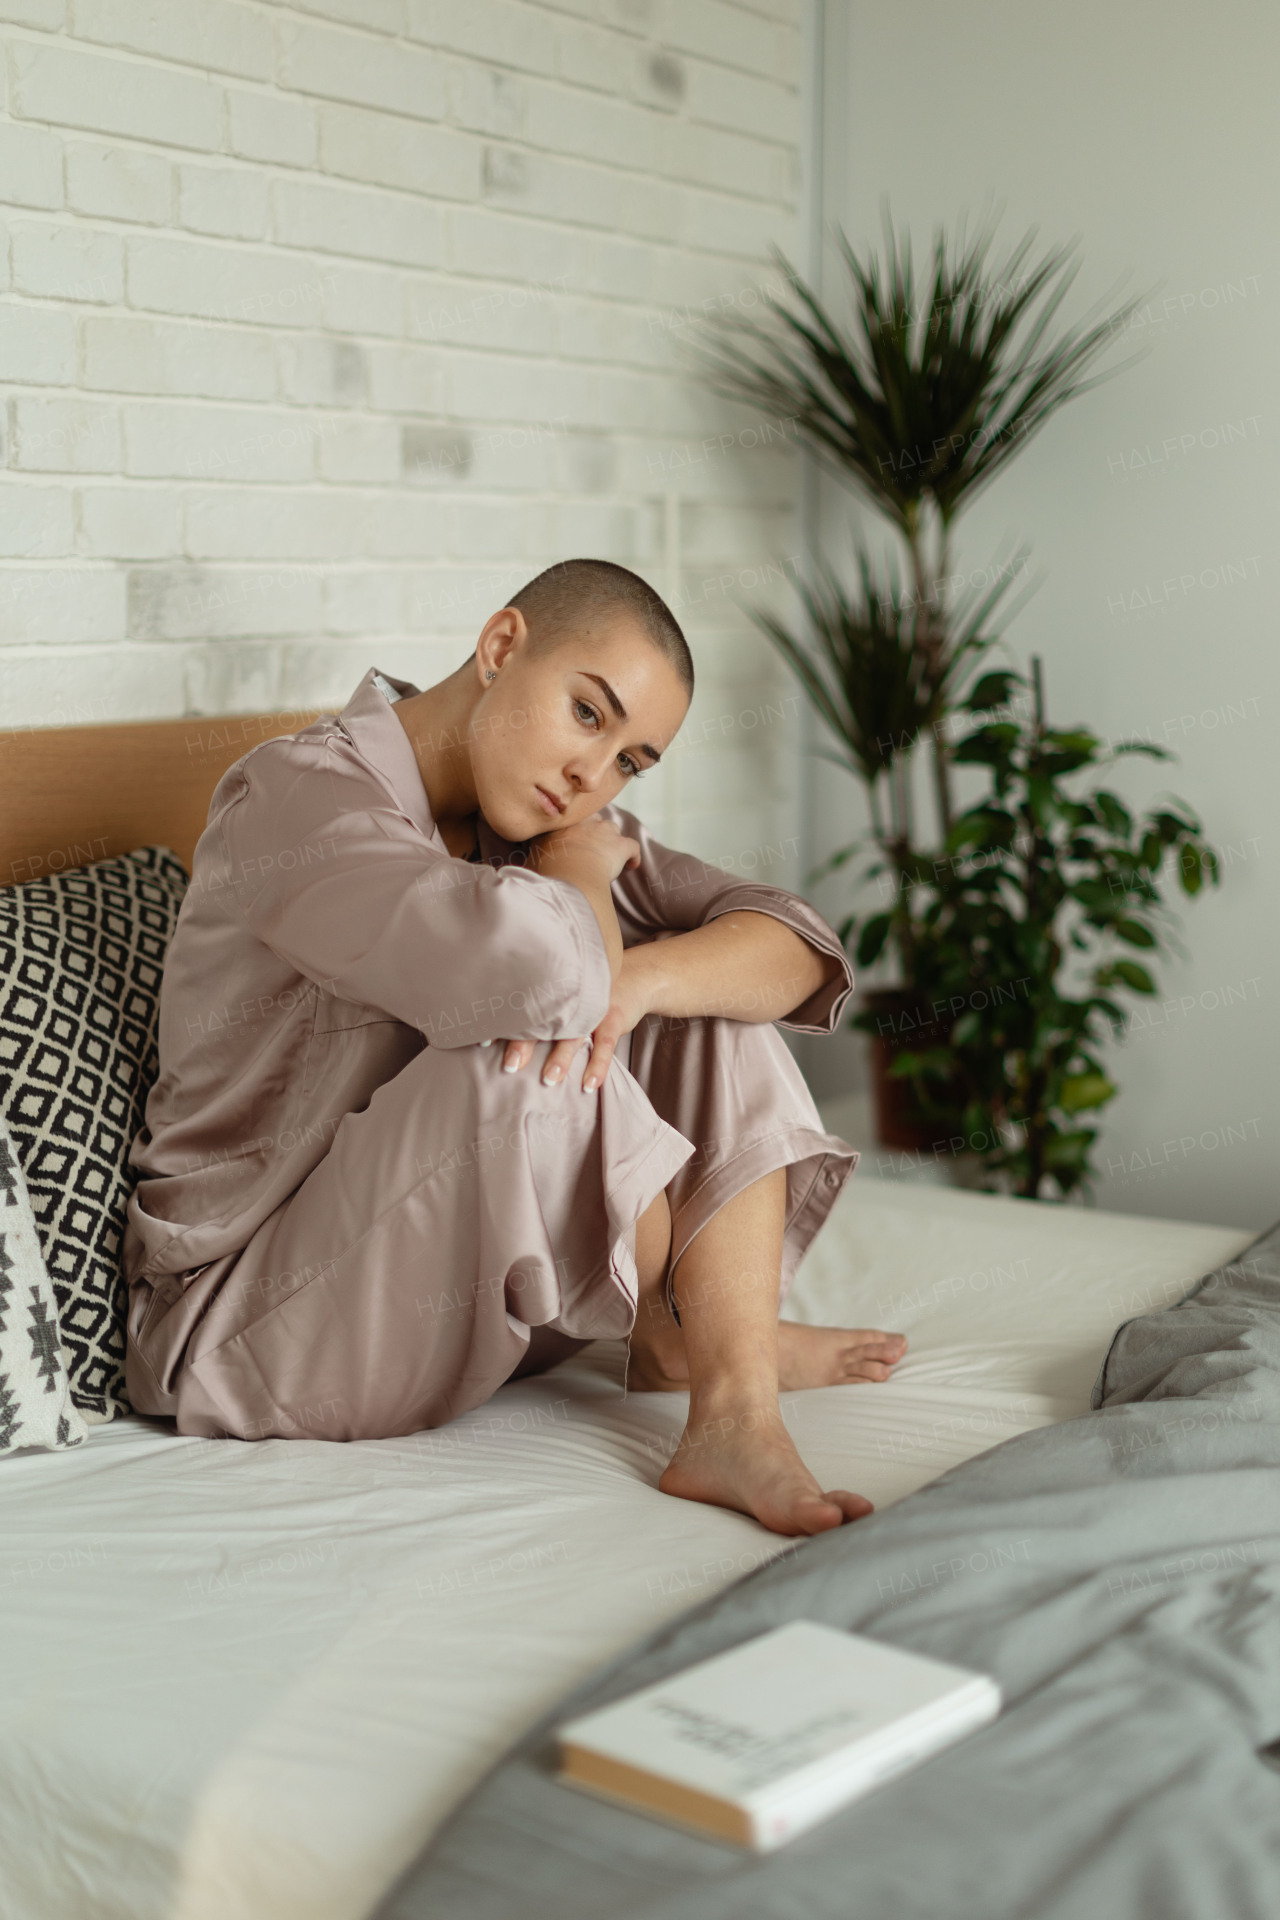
<point x="488" y="675"/>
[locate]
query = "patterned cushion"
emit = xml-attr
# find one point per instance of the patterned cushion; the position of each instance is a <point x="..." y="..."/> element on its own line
<point x="35" y="1395"/>
<point x="80" y="964"/>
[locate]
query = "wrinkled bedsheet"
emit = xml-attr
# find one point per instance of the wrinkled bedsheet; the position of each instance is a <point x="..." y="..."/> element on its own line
<point x="1118" y="1573"/>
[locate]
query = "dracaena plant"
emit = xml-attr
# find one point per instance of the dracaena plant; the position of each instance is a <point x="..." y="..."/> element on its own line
<point x="1026" y="935"/>
<point x="878" y="691"/>
<point x="923" y="397"/>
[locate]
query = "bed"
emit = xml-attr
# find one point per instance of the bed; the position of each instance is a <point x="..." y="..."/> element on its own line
<point x="250" y="1680"/>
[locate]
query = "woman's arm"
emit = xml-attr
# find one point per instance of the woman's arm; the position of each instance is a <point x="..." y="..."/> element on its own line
<point x="743" y="966"/>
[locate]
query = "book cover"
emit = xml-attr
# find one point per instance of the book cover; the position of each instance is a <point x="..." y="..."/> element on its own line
<point x="761" y="1742"/>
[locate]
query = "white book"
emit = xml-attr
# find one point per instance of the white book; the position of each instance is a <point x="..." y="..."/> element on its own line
<point x="760" y="1743"/>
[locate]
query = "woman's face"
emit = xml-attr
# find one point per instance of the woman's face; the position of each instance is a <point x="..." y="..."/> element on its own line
<point x="557" y="735"/>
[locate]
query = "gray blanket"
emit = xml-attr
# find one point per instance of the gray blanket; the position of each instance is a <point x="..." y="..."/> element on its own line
<point x="1118" y="1574"/>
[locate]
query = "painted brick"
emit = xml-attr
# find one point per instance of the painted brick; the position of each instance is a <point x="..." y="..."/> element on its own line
<point x="501" y="32"/>
<point x="37" y="345"/>
<point x="34" y="521"/>
<point x="370" y="224"/>
<point x="356" y="67"/>
<point x="404" y="379"/>
<point x="408" y="526"/>
<point x="360" y="602"/>
<point x="462" y="313"/>
<point x="67" y="263"/>
<point x="188" y="602"/>
<point x="382" y="16"/>
<point x="494" y="244"/>
<point x="485" y="99"/>
<point x="233" y="523"/>
<point x="126" y="354"/>
<point x="579" y="194"/>
<point x="129" y="523"/>
<point x="560" y="121"/>
<point x="220" y="443"/>
<point x="742" y="102"/>
<point x="733" y="37"/>
<point x="122" y="183"/>
<point x="394" y="152"/>
<point x="363" y="452"/>
<point x="75" y="89"/>
<point x="230" y="201"/>
<point x="270" y="126"/>
<point x="320" y="371"/>
<point x="206" y="281"/>
<point x="68" y="687"/>
<point x="216" y="34"/>
<point x="61" y="605"/>
<point x="30" y="166"/>
<point x="49" y="14"/>
<point x="453" y="599"/>
<point x="363" y="300"/>
<point x="713" y="157"/>
<point x="66" y="436"/>
<point x="590" y="57"/>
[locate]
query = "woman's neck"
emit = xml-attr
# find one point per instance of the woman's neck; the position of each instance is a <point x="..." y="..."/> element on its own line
<point x="437" y="724"/>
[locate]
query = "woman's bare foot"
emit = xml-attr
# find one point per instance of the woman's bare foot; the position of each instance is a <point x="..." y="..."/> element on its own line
<point x="807" y="1357"/>
<point x="744" y="1458"/>
<point x="833" y="1356"/>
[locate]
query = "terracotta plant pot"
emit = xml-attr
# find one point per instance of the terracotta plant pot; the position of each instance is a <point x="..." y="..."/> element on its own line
<point x="903" y="1020"/>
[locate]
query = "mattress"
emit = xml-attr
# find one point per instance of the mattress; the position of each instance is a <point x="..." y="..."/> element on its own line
<point x="247" y="1681"/>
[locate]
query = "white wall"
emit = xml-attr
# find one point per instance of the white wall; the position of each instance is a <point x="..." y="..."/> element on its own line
<point x="1150" y="131"/>
<point x="324" y="326"/>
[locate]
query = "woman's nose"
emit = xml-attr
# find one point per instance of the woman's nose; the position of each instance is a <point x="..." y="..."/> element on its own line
<point x="587" y="771"/>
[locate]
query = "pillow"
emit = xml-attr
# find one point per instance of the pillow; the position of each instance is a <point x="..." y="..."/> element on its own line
<point x="80" y="964"/>
<point x="36" y="1409"/>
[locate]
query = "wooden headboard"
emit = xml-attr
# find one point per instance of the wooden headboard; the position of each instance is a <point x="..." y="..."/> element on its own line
<point x="73" y="795"/>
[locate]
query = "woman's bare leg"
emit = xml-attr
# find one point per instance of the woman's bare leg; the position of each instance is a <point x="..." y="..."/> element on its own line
<point x="748" y="1227"/>
<point x="735" y="1450"/>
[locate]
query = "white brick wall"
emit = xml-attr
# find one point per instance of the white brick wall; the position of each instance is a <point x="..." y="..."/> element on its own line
<point x="326" y="325"/>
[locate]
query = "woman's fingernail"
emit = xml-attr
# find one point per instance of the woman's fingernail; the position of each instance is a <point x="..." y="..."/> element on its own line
<point x="511" y="1066"/>
<point x="590" y="1084"/>
<point x="550" y="1077"/>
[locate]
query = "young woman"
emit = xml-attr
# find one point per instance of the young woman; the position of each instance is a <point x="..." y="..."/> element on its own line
<point x="460" y="1068"/>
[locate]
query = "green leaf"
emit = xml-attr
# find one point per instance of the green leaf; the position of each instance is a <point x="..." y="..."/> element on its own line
<point x="1135" y="933"/>
<point x="1068" y="1152"/>
<point x="1133" y="976"/>
<point x="992" y="691"/>
<point x="871" y="941"/>
<point x="1082" y="1090"/>
<point x="1114" y="813"/>
<point x="1191" y="868"/>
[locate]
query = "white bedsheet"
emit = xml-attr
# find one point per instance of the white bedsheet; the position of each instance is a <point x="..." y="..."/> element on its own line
<point x="245" y="1682"/>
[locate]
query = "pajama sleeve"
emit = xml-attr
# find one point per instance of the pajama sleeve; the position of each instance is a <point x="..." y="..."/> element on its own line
<point x="675" y="892"/>
<point x="341" y="885"/>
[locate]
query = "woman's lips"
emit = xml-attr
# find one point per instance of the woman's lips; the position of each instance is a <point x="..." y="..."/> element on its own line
<point x="549" y="802"/>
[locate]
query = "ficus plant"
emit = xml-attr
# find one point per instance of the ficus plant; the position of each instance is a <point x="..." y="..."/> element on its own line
<point x="1026" y="935"/>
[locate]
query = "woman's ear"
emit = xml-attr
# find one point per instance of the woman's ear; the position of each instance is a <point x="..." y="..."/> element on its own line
<point x="501" y="634"/>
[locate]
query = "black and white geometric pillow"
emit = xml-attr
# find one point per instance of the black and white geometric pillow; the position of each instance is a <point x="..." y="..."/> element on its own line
<point x="36" y="1409"/>
<point x="81" y="957"/>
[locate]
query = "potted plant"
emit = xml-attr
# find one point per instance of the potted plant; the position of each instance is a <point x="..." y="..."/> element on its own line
<point x="1024" y="936"/>
<point x="917" y="405"/>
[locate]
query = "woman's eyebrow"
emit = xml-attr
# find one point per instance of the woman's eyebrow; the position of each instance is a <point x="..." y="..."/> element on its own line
<point x="621" y="712"/>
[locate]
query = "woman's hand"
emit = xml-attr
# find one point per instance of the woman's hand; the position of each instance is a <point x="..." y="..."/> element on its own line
<point x="628" y="1006"/>
<point x="562" y="850"/>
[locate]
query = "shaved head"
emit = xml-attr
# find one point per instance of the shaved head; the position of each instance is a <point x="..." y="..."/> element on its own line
<point x="574" y="593"/>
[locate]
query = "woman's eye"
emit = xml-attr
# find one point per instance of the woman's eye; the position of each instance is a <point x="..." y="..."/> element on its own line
<point x="630" y="767"/>
<point x="585" y="710"/>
